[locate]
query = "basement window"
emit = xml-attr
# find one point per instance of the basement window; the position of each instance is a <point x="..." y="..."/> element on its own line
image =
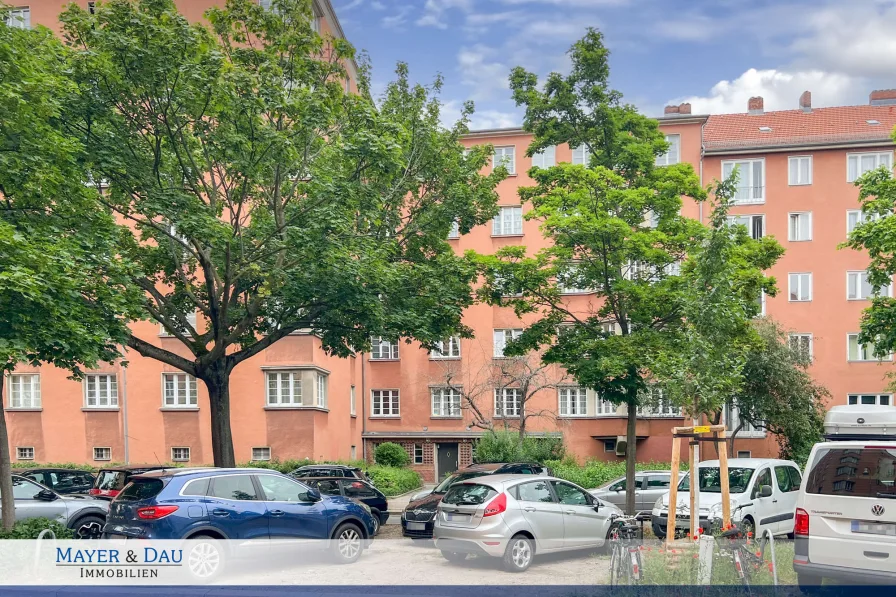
<point x="765" y="129"/>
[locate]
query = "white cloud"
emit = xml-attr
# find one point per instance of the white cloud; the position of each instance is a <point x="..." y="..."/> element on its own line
<point x="351" y="5"/>
<point x="569" y="3"/>
<point x="487" y="79"/>
<point x="486" y="119"/>
<point x="377" y="5"/>
<point x="780" y="90"/>
<point x="434" y="12"/>
<point x="480" y="22"/>
<point x="397" y="20"/>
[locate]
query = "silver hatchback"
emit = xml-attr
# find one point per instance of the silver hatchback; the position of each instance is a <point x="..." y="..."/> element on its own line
<point x="513" y="517"/>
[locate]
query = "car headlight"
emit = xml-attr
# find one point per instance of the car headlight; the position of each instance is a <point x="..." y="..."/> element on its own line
<point x="658" y="504"/>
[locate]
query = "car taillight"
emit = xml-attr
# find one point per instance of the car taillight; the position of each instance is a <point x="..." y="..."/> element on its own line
<point x="94" y="491"/>
<point x="497" y="505"/>
<point x="155" y="512"/>
<point x="801" y="523"/>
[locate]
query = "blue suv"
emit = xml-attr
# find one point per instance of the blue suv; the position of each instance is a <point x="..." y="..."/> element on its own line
<point x="239" y="504"/>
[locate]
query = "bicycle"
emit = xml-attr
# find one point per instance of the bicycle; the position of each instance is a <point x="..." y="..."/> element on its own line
<point x="625" y="544"/>
<point x="735" y="544"/>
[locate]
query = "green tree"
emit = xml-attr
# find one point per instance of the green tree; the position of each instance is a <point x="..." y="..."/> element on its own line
<point x="256" y="192"/>
<point x="390" y="454"/>
<point x="615" y="228"/>
<point x="57" y="244"/>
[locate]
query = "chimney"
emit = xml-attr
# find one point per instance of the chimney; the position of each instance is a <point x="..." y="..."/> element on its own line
<point x="806" y="101"/>
<point x="671" y="110"/>
<point x="684" y="109"/>
<point x="755" y="105"/>
<point x="882" y="97"/>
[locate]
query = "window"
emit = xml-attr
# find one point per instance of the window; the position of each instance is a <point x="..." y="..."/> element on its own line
<point x="505" y="156"/>
<point x="846" y="470"/>
<point x="357" y="489"/>
<point x="569" y="495"/>
<point x="281" y="489"/>
<point x="763" y="478"/>
<point x="802" y="344"/>
<point x="800" y="287"/>
<point x="383" y="350"/>
<point x="179" y="390"/>
<point x="855" y="217"/>
<point x="862" y="352"/>
<point x="844" y="485"/>
<point x="876" y="477"/>
<point x="744" y="454"/>
<point x="447" y="349"/>
<point x="455" y="230"/>
<point x="321" y="390"/>
<point x="573" y="402"/>
<point x="91" y="7"/>
<point x="570" y="280"/>
<point x="536" y="491"/>
<point x="284" y="388"/>
<point x="502" y="337"/>
<point x="418" y="453"/>
<point x="19" y="18"/>
<point x="658" y="481"/>
<point x="610" y="446"/>
<point x="25" y="453"/>
<point x="578" y="155"/>
<point x="507" y="402"/>
<point x="858" y="164"/>
<point x="191" y="319"/>
<point x="858" y="288"/>
<point x="24" y="390"/>
<point x="353" y="453"/>
<point x="234" y="487"/>
<point x="101" y="391"/>
<point x="673" y="154"/>
<point x="734" y="421"/>
<point x="384" y="403"/>
<point x="180" y="454"/>
<point x="799" y="170"/>
<point x="509" y="221"/>
<point x="761" y="302"/>
<point x="605" y="407"/>
<point x="873" y="399"/>
<point x="445" y="402"/>
<point x="785" y="480"/>
<point x="352" y="402"/>
<point x="656" y="404"/>
<point x="755" y="224"/>
<point x="102" y="453"/>
<point x="750" y="181"/>
<point x="799" y="226"/>
<point x="545" y="158"/>
<point x="261" y="454"/>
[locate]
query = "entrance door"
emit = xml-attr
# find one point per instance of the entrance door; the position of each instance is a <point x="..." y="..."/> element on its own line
<point x="447" y="459"/>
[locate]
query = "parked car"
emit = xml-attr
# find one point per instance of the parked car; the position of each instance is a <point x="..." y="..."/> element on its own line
<point x="514" y="517"/>
<point x="649" y="485"/>
<point x="417" y="520"/>
<point x="763" y="496"/>
<point x="244" y="505"/>
<point x="330" y="470"/>
<point x="61" y="480"/>
<point x="80" y="513"/>
<point x="355" y="489"/>
<point x="845" y="521"/>
<point x="111" y="480"/>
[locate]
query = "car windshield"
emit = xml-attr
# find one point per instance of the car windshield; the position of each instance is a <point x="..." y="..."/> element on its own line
<point x="711" y="480"/>
<point x="469" y="494"/>
<point x="110" y="480"/>
<point x="456" y="478"/>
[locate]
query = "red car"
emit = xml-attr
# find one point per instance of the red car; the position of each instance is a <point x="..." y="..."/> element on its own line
<point x="111" y="480"/>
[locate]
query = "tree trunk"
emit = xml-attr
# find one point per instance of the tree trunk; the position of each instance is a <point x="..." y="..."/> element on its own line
<point x="7" y="504"/>
<point x="630" y="458"/>
<point x="218" y="383"/>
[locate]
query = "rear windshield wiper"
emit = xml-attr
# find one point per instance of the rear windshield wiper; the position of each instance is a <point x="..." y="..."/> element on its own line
<point x="887" y="496"/>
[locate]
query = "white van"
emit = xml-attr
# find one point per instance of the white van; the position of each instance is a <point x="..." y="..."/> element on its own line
<point x="845" y="520"/>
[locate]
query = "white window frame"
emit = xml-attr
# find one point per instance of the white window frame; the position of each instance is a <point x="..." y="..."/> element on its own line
<point x="666" y="159"/>
<point x="861" y="217"/>
<point x="572" y="401"/>
<point x="732" y="420"/>
<point x="733" y="220"/>
<point x="579" y="155"/>
<point x="802" y="279"/>
<point x="352" y="402"/>
<point x="259" y="455"/>
<point x="321" y="384"/>
<point x="545" y="158"/>
<point x="181" y="381"/>
<point x="454" y="233"/>
<point x="500" y="336"/>
<point x="34" y="402"/>
<point x="180" y="458"/>
<point x="19" y="17"/>
<point x="191" y="319"/>
<point x="110" y="387"/>
<point x="508" y="221"/>
<point x="661" y="406"/>
<point x="438" y="354"/>
<point x="508" y="396"/>
<point x="507" y="158"/>
<point x="102" y="458"/>
<point x="382" y="349"/>
<point x="860" y="351"/>
<point x="857" y="156"/>
<point x="753" y="198"/>
<point x="877" y="398"/>
<point x="445" y="403"/>
<point x="861" y="275"/>
<point x="802" y="336"/>
<point x="416" y="459"/>
<point x="796" y="160"/>
<point x="275" y="397"/>
<point x="798" y="215"/>
<point x="605" y="408"/>
<point x="22" y="452"/>
<point x="762" y="303"/>
<point x="381" y="395"/>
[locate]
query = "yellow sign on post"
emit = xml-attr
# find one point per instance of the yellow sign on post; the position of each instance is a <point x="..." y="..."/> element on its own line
<point x="702" y="429"/>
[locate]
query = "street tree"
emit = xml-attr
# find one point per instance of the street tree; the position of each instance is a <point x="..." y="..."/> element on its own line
<point x="255" y="192"/>
<point x="615" y="229"/>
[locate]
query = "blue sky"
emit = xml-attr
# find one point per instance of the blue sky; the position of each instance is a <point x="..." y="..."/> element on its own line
<point x="714" y="54"/>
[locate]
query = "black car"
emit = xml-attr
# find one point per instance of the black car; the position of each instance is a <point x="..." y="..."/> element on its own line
<point x="111" y="480"/>
<point x="356" y="489"/>
<point x="64" y="481"/>
<point x="330" y="470"/>
<point x="418" y="518"/>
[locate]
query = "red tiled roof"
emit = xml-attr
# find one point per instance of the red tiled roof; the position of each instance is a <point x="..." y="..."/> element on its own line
<point x="795" y="127"/>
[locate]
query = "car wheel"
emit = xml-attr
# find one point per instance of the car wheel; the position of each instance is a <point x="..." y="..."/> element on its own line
<point x="748" y="526"/>
<point x="347" y="543"/>
<point x="376" y="520"/>
<point x="205" y="557"/>
<point x="519" y="553"/>
<point x="454" y="556"/>
<point x="659" y="531"/>
<point x="89" y="527"/>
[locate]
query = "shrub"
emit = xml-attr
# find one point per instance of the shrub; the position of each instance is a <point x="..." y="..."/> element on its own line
<point x="506" y="446"/>
<point x="284" y="466"/>
<point x="390" y="454"/>
<point x="30" y="528"/>
<point x="68" y="465"/>
<point x="595" y="473"/>
<point x="393" y="480"/>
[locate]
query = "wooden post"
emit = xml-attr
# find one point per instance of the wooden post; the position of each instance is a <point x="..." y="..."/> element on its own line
<point x="695" y="479"/>
<point x="723" y="471"/>
<point x="673" y="489"/>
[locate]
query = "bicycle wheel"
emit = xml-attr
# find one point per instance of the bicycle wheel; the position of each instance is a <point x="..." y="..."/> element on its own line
<point x="614" y="564"/>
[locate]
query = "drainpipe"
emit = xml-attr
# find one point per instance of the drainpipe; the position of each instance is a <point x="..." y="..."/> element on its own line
<point x="124" y="410"/>
<point x="363" y="409"/>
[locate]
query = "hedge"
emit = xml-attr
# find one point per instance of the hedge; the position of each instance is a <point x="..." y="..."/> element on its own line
<point x="595" y="473"/>
<point x="30" y="528"/>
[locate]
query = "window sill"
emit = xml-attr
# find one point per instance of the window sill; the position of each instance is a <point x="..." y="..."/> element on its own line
<point x="383" y="360"/>
<point x="385" y="417"/>
<point x="354" y="416"/>
<point x="446" y="418"/>
<point x="793" y="301"/>
<point x="317" y="408"/>
<point x="444" y="358"/>
<point x="173" y="409"/>
<point x="578" y="293"/>
<point x="515" y="235"/>
<point x="860" y="300"/>
<point x="16" y="409"/>
<point x="878" y="361"/>
<point x="100" y="409"/>
<point x="799" y="240"/>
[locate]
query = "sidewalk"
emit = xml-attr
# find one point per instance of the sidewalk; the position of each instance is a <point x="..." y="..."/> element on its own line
<point x="398" y="503"/>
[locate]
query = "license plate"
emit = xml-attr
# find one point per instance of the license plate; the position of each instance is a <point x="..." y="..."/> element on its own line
<point x="416" y="526"/>
<point x="874" y="528"/>
<point x="114" y="536"/>
<point x="452" y="517"/>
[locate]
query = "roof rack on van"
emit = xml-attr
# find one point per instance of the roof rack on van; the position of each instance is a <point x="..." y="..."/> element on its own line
<point x="860" y="423"/>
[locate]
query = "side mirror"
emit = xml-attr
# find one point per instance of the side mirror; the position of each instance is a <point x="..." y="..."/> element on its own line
<point x="46" y="495"/>
<point x="596" y="506"/>
<point x="765" y="491"/>
<point x="313" y="495"/>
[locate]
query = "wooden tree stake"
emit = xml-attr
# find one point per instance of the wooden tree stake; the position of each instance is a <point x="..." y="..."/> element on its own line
<point x="673" y="490"/>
